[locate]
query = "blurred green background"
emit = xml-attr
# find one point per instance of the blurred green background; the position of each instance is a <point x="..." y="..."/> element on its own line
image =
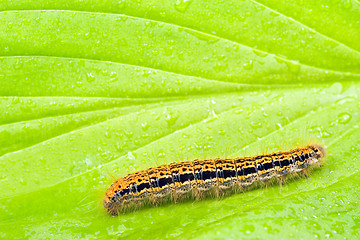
<point x="91" y="90"/>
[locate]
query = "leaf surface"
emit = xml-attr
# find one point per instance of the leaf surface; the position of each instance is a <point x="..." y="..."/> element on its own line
<point x="93" y="90"/>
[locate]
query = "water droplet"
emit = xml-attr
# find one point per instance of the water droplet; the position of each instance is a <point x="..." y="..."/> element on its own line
<point x="256" y="125"/>
<point x="90" y="77"/>
<point x="121" y="4"/>
<point x="198" y="146"/>
<point x="293" y="66"/>
<point x="179" y="82"/>
<point x="207" y="147"/>
<point x="220" y="66"/>
<point x="15" y="100"/>
<point x="168" y="51"/>
<point x="22" y="181"/>
<point x="107" y="155"/>
<point x="182" y="5"/>
<point x="130" y="156"/>
<point x="19" y="64"/>
<point x="221" y="132"/>
<point x="161" y="154"/>
<point x="128" y="134"/>
<point x="113" y="76"/>
<point x="79" y="84"/>
<point x="107" y="134"/>
<point x="88" y="162"/>
<point x="324" y="133"/>
<point x="249" y="65"/>
<point x="145" y="126"/>
<point x="87" y="35"/>
<point x="344" y="118"/>
<point x="171" y="119"/>
<point x="212" y="117"/>
<point x="185" y="135"/>
<point x="238" y="111"/>
<point x="345" y="100"/>
<point x="248" y="229"/>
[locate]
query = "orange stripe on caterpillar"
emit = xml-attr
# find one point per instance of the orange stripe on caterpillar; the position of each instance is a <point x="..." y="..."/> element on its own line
<point x="197" y="178"/>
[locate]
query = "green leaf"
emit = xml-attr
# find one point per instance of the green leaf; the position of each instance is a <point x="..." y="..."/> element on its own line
<point x="93" y="90"/>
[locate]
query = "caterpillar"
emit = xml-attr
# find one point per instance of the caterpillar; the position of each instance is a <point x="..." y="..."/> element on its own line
<point x="199" y="178"/>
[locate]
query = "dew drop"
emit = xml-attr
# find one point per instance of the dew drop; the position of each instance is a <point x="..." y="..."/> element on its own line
<point x="90" y="77"/>
<point x="130" y="156"/>
<point x="345" y="100"/>
<point x="220" y="66"/>
<point x="128" y="134"/>
<point x="221" y="132"/>
<point x="145" y="126"/>
<point x="79" y="84"/>
<point x="324" y="133"/>
<point x="19" y="64"/>
<point x="182" y="5"/>
<point x="171" y="119"/>
<point x="207" y="147"/>
<point x="198" y="146"/>
<point x="344" y="118"/>
<point x="248" y="65"/>
<point x="15" y="100"/>
<point x="256" y="125"/>
<point x="293" y="66"/>
<point x="161" y="154"/>
<point x="107" y="134"/>
<point x="121" y="4"/>
<point x="22" y="181"/>
<point x="185" y="135"/>
<point x="87" y="35"/>
<point x="179" y="82"/>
